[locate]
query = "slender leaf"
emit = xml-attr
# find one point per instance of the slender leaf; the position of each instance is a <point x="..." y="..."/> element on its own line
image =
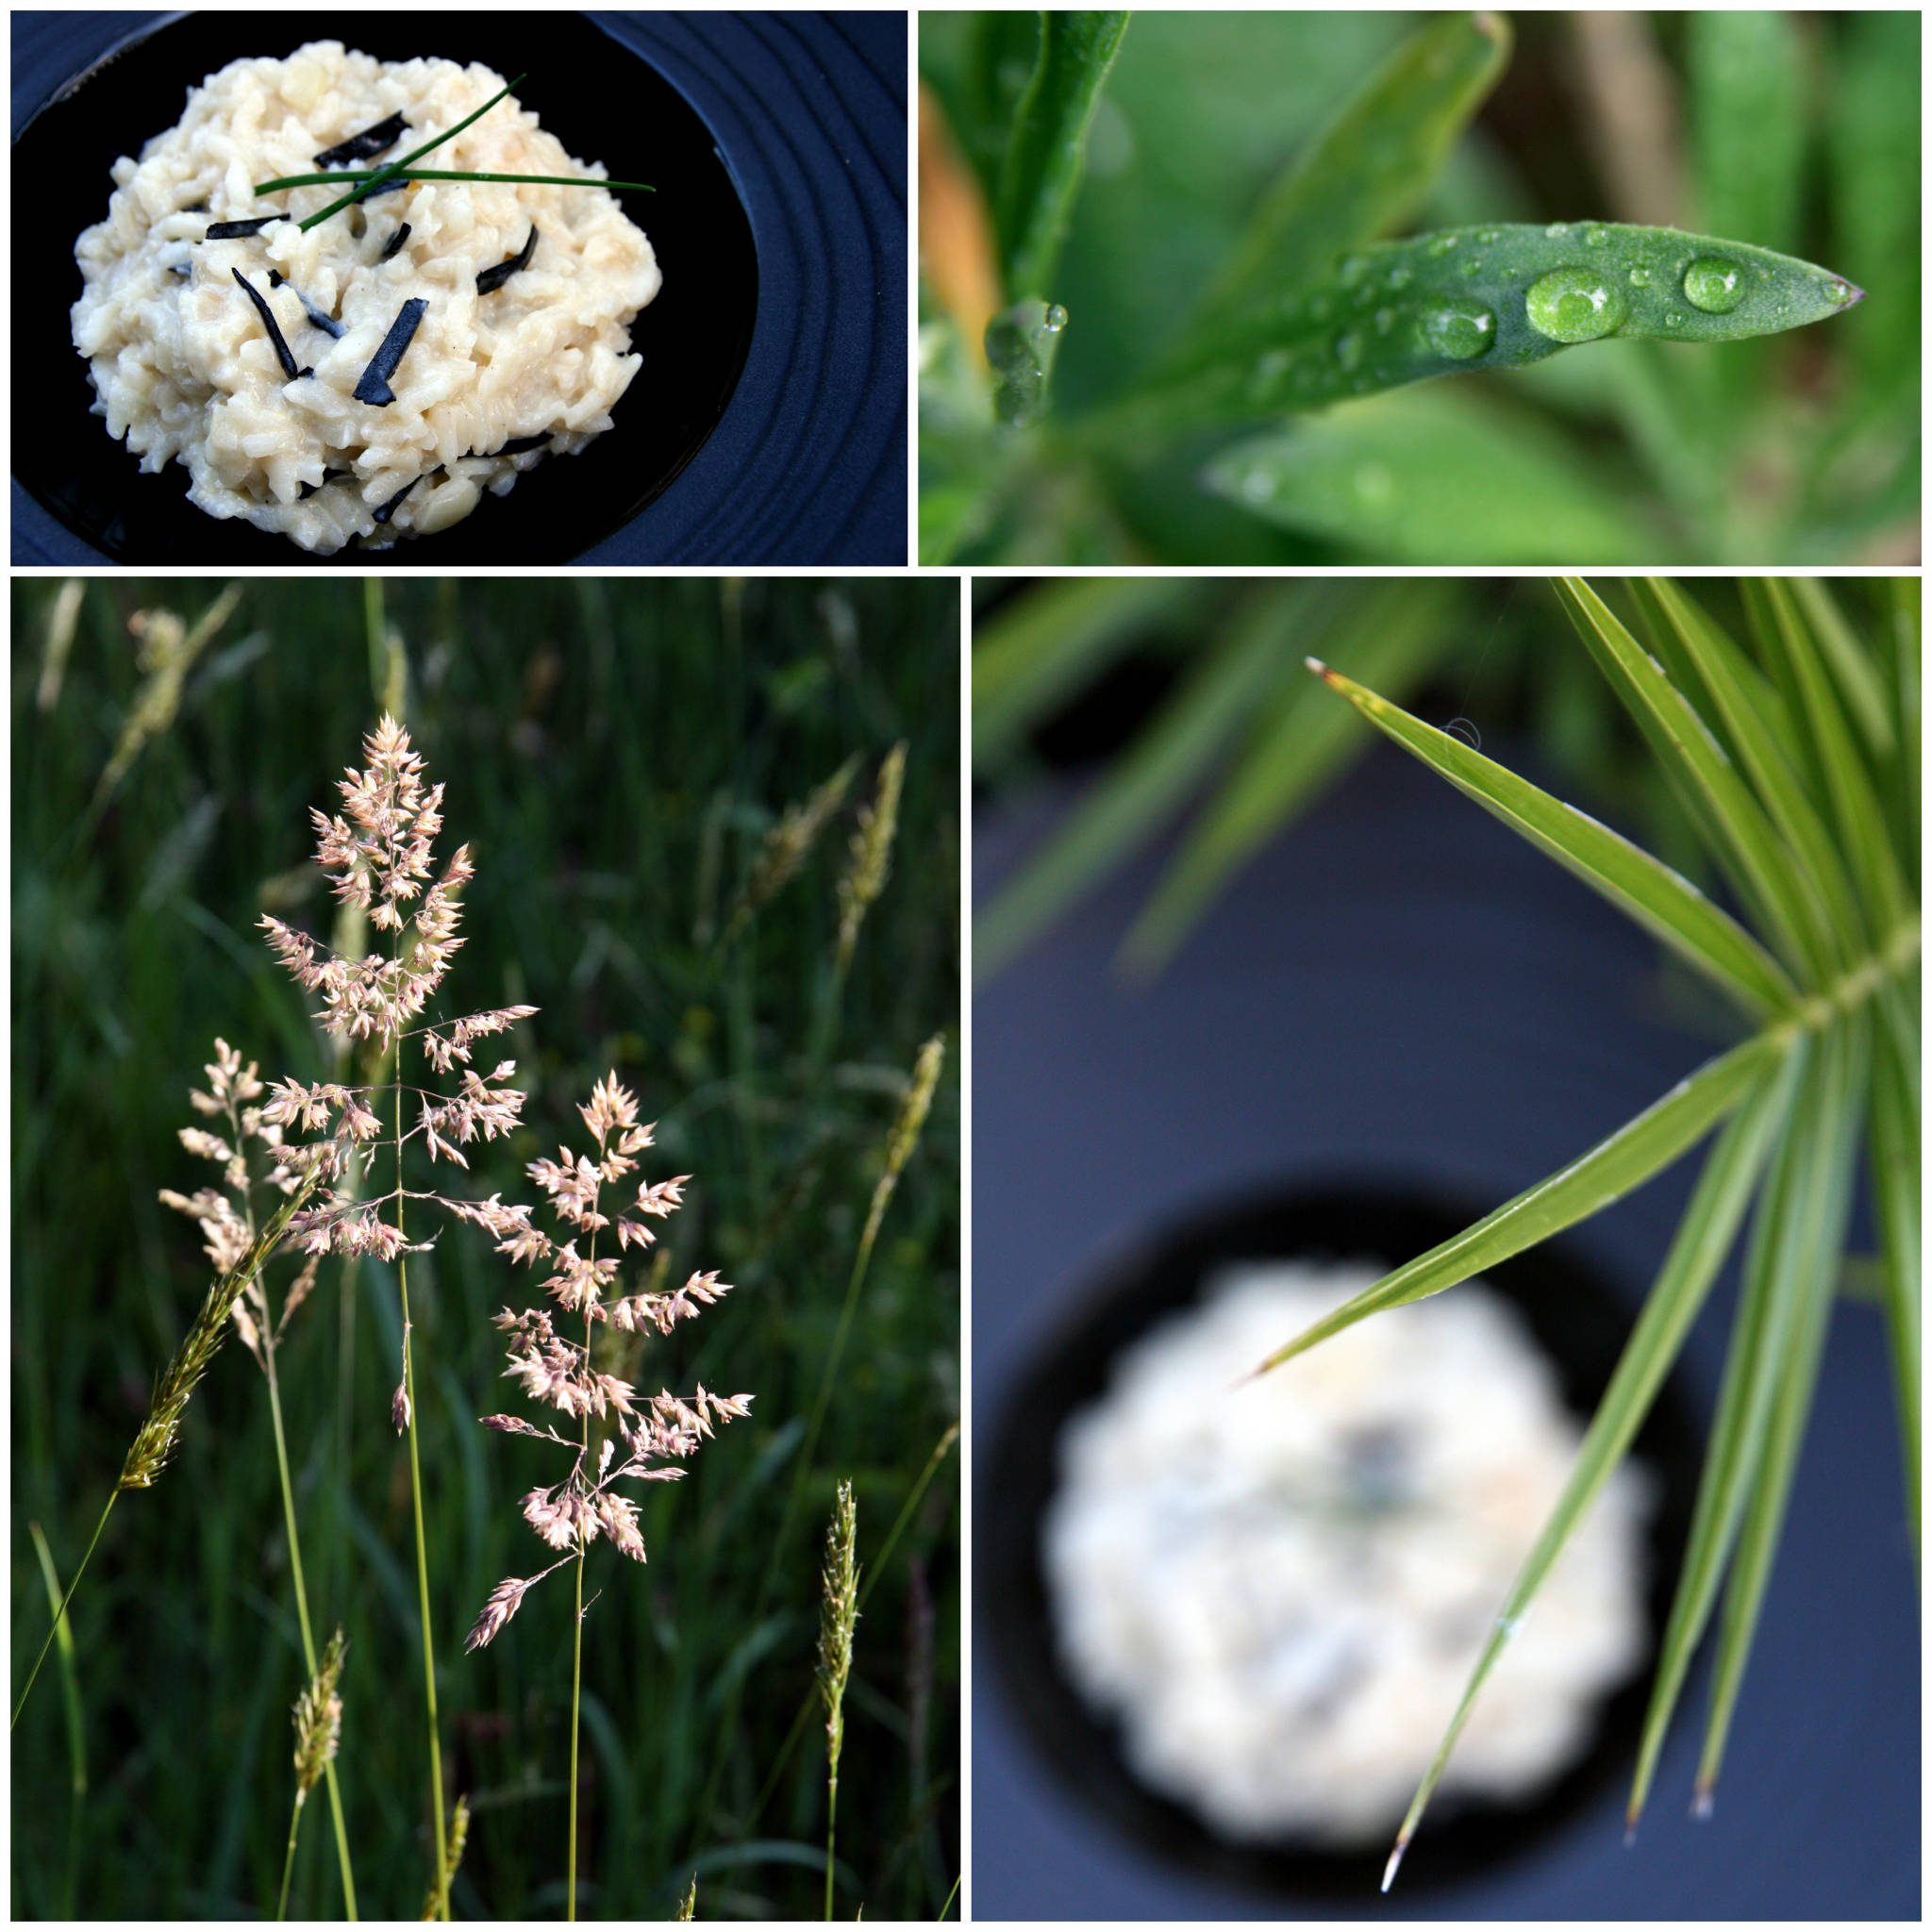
<point x="1907" y="605"/>
<point x="1047" y="146"/>
<point x="1895" y="1182"/>
<point x="1824" y="1184"/>
<point x="1861" y="823"/>
<point x="1778" y="1272"/>
<point x="1297" y="749"/>
<point x="1499" y="296"/>
<point x="1853" y="672"/>
<point x="1697" y="1252"/>
<point x="1736" y="824"/>
<point x="1760" y="730"/>
<point x="1149" y="781"/>
<point x="1370" y="170"/>
<point x="1391" y="477"/>
<point x="1748" y="122"/>
<point x="1658" y="898"/>
<point x="1639" y="1149"/>
<point x="1034" y="655"/>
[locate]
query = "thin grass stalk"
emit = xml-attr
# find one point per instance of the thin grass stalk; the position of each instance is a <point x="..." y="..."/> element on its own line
<point x="576" y="1667"/>
<point x="77" y="1742"/>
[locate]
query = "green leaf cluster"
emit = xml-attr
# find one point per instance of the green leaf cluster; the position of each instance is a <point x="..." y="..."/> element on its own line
<point x="1185" y="191"/>
<point x="1795" y="755"/>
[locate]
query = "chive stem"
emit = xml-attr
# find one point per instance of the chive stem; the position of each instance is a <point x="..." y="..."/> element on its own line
<point x="402" y="166"/>
<point x="448" y="174"/>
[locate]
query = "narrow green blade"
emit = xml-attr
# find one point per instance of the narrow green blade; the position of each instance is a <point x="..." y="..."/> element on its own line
<point x="1777" y="1272"/>
<point x="1392" y="638"/>
<point x="1852" y="670"/>
<point x="1824" y="1183"/>
<point x="1741" y="833"/>
<point x="1151" y="779"/>
<point x="1638" y="1150"/>
<point x="1035" y="654"/>
<point x="1697" y="1252"/>
<point x="1895" y="1182"/>
<point x="1047" y="147"/>
<point x="1748" y="709"/>
<point x="1658" y="898"/>
<point x="1370" y="169"/>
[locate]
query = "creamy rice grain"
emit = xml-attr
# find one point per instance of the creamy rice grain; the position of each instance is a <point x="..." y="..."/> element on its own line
<point x="184" y="367"/>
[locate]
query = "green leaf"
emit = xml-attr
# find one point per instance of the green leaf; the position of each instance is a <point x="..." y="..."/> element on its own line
<point x="1752" y="716"/>
<point x="1432" y="478"/>
<point x="1658" y="898"/>
<point x="1021" y="342"/>
<point x="1697" y="1252"/>
<point x="1149" y="781"/>
<point x="1778" y="1271"/>
<point x="1824" y="1184"/>
<point x="1736" y="824"/>
<point x="1295" y="750"/>
<point x="1853" y="671"/>
<point x="1863" y="832"/>
<point x="1638" y="1150"/>
<point x="1894" y="1163"/>
<point x="1034" y="655"/>
<point x="1048" y="145"/>
<point x="1371" y="168"/>
<point x="1498" y="296"/>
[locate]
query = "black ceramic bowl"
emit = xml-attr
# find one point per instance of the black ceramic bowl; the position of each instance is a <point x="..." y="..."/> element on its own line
<point x="1581" y="1324"/>
<point x="768" y="422"/>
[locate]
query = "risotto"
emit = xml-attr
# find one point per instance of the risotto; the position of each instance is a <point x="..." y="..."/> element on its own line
<point x="1279" y="1589"/>
<point x="371" y="378"/>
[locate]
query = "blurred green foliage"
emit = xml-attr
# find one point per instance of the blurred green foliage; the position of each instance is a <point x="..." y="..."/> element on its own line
<point x="614" y="754"/>
<point x="1794" y="131"/>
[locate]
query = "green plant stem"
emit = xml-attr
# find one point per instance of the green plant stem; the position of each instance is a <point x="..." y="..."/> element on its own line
<point x="77" y="1743"/>
<point x="335" y="1796"/>
<point x="422" y="1548"/>
<point x="64" y="1602"/>
<point x="289" y="1858"/>
<point x="831" y="1833"/>
<point x="577" y="1671"/>
<point x="447" y="175"/>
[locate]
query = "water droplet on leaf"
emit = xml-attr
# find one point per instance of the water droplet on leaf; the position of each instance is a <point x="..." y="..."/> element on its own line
<point x="1556" y="230"/>
<point x="1573" y="305"/>
<point x="1713" y="286"/>
<point x="1486" y="235"/>
<point x="1459" y="331"/>
<point x="1596" y="236"/>
<point x="1054" y="320"/>
<point x="1473" y="266"/>
<point x="1443" y="244"/>
<point x="1639" y="277"/>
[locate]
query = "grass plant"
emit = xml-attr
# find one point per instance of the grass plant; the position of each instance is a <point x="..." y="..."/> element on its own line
<point x="620" y="782"/>
<point x="1797" y="758"/>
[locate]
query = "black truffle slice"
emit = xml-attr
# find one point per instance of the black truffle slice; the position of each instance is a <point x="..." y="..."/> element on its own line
<point x="490" y="279"/>
<point x="373" y="387"/>
<point x="360" y="147"/>
<point x="268" y="321"/>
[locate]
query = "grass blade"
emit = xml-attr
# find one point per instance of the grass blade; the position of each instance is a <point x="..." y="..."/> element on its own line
<point x="1149" y="781"/>
<point x="1697" y="1253"/>
<point x="1370" y="169"/>
<point x="70" y="1690"/>
<point x="1861" y="825"/>
<point x="1752" y="715"/>
<point x="1032" y="656"/>
<point x="1734" y="822"/>
<point x="1823" y="1182"/>
<point x="1896" y="1170"/>
<point x="1748" y="122"/>
<point x="1852" y="670"/>
<point x="1297" y="749"/>
<point x="1776" y="1273"/>
<point x="1639" y="1149"/>
<point x="1048" y="144"/>
<point x="1658" y="898"/>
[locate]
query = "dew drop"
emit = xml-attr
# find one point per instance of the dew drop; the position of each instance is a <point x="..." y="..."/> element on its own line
<point x="1839" y="292"/>
<point x="1713" y="286"/>
<point x="1596" y="236"/>
<point x="1486" y="236"/>
<point x="1556" y="230"/>
<point x="1443" y="244"/>
<point x="1673" y="320"/>
<point x="1473" y="266"/>
<point x="1054" y="320"/>
<point x="1573" y="305"/>
<point x="1348" y="351"/>
<point x="1640" y="276"/>
<point x="1458" y="330"/>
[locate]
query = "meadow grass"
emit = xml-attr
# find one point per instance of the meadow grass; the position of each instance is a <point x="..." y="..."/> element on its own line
<point x="616" y="754"/>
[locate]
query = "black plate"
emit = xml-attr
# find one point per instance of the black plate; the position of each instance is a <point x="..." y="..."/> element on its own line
<point x="1580" y="1323"/>
<point x="603" y="101"/>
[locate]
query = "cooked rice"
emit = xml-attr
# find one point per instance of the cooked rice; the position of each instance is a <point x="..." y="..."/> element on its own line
<point x="184" y="368"/>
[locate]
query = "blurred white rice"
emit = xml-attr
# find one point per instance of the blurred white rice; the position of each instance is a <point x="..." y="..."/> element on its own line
<point x="183" y="368"/>
<point x="1280" y="1587"/>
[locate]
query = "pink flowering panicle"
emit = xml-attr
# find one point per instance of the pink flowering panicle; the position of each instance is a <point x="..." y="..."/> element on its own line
<point x="658" y="1434"/>
<point x="380" y="855"/>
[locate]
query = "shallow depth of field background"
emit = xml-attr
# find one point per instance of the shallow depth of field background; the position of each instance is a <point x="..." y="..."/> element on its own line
<point x="613" y="753"/>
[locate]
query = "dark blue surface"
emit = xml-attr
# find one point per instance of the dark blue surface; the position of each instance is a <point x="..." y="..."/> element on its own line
<point x="1402" y="987"/>
<point x="809" y="465"/>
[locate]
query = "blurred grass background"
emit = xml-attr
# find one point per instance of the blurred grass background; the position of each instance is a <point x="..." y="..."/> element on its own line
<point x="614" y="753"/>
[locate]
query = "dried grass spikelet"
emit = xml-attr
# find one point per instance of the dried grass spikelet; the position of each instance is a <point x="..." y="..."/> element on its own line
<point x="319" y="1719"/>
<point x="786" y="843"/>
<point x="838" y="1616"/>
<point x="871" y="859"/>
<point x="906" y="1130"/>
<point x="689" y="1907"/>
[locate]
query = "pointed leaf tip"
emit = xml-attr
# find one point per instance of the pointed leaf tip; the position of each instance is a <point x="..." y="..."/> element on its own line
<point x="1394" y="1864"/>
<point x="1703" y="1803"/>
